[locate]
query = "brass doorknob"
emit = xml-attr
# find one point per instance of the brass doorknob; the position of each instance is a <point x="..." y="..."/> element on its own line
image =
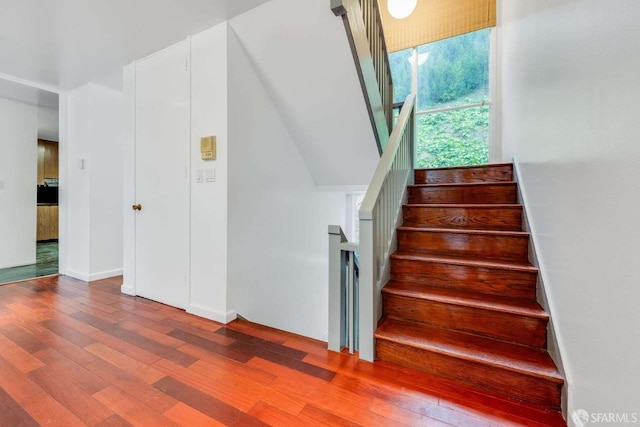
<point x="137" y="207"/>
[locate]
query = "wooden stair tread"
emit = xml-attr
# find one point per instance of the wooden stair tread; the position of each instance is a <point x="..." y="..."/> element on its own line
<point x="497" y="264"/>
<point x="466" y="231"/>
<point x="460" y="297"/>
<point x="486" y="351"/>
<point x="487" y="165"/>
<point x="464" y="205"/>
<point x="465" y="184"/>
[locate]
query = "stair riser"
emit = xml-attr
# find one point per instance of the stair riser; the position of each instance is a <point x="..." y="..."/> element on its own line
<point x="530" y="389"/>
<point x="489" y="194"/>
<point x="507" y="283"/>
<point x="502" y="219"/>
<point x="523" y="330"/>
<point x="482" y="246"/>
<point x="485" y="174"/>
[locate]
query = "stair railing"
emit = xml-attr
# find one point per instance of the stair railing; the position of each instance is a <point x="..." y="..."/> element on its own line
<point x="344" y="275"/>
<point x="355" y="289"/>
<point x="363" y="24"/>
<point x="380" y="215"/>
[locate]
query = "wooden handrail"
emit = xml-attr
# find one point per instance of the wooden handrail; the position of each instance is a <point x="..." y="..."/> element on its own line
<point x="380" y="214"/>
<point x="363" y="25"/>
<point x="388" y="158"/>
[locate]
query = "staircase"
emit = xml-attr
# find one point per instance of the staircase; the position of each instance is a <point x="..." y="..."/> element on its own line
<point x="461" y="301"/>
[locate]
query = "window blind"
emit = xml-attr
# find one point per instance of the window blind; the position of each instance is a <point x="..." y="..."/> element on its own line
<point x="434" y="20"/>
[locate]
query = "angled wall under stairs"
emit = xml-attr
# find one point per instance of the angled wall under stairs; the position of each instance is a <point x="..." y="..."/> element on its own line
<point x="461" y="301"/>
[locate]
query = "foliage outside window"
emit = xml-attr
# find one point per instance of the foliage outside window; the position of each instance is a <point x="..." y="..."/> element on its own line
<point x="455" y="73"/>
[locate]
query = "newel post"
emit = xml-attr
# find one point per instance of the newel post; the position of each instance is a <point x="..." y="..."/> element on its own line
<point x="337" y="315"/>
<point x="368" y="318"/>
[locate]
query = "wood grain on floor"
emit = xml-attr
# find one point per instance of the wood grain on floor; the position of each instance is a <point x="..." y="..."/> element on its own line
<point x="75" y="354"/>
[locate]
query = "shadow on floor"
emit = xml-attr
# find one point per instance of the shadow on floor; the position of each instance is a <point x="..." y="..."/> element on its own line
<point x="46" y="264"/>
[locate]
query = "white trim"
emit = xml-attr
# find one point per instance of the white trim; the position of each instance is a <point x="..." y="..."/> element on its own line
<point x="105" y="274"/>
<point x="76" y="275"/>
<point x="95" y="276"/>
<point x="29" y="83"/>
<point x="63" y="186"/>
<point x="24" y="263"/>
<point x="215" y="315"/>
<point x="128" y="290"/>
<point x="129" y="181"/>
<point x="554" y="312"/>
<point x="189" y="168"/>
<point x="495" y="110"/>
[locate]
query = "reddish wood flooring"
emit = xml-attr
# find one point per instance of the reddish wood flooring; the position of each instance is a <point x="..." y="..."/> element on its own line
<point x="461" y="302"/>
<point x="74" y="354"/>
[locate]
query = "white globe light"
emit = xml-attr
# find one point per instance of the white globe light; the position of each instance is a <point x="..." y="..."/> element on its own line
<point x="400" y="9"/>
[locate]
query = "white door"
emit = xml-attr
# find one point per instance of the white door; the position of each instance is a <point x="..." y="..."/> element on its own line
<point x="162" y="185"/>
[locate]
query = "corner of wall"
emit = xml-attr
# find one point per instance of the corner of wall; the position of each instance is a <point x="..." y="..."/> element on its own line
<point x="215" y="315"/>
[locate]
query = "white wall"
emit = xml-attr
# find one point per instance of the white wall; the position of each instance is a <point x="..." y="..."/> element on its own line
<point x="129" y="179"/>
<point x="75" y="194"/>
<point x="306" y="67"/>
<point x="209" y="199"/>
<point x="569" y="72"/>
<point x="93" y="194"/>
<point x="48" y="124"/>
<point x="106" y="178"/>
<point x="18" y="179"/>
<point x="278" y="238"/>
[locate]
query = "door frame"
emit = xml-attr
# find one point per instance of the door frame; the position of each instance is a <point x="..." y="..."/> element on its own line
<point x="62" y="163"/>
<point x="129" y="284"/>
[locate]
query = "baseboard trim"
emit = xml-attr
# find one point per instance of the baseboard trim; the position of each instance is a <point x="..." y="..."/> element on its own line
<point x="105" y="275"/>
<point x="128" y="290"/>
<point x="20" y="264"/>
<point x="555" y="345"/>
<point x="93" y="277"/>
<point x="215" y="315"/>
<point x="77" y="275"/>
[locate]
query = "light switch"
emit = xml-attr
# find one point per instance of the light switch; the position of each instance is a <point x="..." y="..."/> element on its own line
<point x="210" y="175"/>
<point x="1" y="185"/>
<point x="199" y="175"/>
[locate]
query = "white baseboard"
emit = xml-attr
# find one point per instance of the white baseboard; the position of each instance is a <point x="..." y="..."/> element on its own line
<point x="555" y="343"/>
<point x="19" y="264"/>
<point x="128" y="290"/>
<point x="93" y="277"/>
<point x="77" y="275"/>
<point x="215" y="315"/>
<point x="105" y="274"/>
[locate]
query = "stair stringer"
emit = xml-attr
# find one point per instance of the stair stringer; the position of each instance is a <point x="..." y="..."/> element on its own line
<point x="553" y="345"/>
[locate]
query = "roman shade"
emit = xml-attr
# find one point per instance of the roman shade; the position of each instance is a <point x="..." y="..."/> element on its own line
<point x="435" y="20"/>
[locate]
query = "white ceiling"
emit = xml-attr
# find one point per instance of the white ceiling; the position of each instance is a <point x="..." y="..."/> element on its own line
<point x="67" y="43"/>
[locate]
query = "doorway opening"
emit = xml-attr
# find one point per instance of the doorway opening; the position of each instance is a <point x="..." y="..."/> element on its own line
<point x="29" y="176"/>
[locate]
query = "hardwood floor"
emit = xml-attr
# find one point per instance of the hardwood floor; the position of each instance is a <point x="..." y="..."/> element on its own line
<point x="74" y="354"/>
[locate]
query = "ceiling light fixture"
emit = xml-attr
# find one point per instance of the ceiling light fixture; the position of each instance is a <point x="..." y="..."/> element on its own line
<point x="400" y="9"/>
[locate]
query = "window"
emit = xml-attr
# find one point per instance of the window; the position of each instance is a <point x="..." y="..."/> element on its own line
<point x="451" y="79"/>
